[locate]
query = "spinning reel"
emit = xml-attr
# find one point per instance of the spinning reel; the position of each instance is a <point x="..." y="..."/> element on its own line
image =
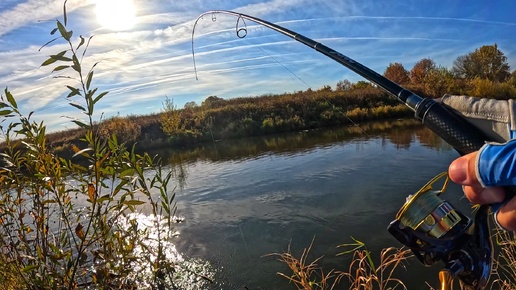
<point x="435" y="231"/>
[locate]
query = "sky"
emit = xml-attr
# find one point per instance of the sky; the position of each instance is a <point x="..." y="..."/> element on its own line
<point x="143" y="48"/>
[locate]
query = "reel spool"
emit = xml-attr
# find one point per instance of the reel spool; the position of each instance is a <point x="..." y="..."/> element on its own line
<point x="435" y="231"/>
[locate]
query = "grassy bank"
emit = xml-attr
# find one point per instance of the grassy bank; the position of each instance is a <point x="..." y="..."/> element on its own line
<point x="217" y="119"/>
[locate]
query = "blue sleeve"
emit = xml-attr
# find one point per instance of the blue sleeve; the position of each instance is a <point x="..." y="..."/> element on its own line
<point x="496" y="164"/>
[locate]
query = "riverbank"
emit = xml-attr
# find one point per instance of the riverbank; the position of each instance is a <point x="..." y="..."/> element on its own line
<point x="218" y="119"/>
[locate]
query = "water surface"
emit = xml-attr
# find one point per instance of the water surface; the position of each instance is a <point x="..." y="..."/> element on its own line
<point x="243" y="199"/>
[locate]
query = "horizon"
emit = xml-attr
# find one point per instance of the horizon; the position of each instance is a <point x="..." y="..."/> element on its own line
<point x="145" y="56"/>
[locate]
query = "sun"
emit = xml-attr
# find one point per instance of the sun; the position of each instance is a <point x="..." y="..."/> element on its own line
<point x="116" y="14"/>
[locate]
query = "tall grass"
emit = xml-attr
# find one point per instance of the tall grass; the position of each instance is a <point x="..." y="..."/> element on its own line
<point x="361" y="273"/>
<point x="505" y="263"/>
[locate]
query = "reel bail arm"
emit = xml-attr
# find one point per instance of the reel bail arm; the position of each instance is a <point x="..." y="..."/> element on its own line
<point x="435" y="231"/>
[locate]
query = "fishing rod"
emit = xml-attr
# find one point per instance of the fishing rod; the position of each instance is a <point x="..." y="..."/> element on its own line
<point x="428" y="225"/>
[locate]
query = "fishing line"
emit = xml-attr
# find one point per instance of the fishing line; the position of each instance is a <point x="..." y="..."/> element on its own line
<point x="245" y="243"/>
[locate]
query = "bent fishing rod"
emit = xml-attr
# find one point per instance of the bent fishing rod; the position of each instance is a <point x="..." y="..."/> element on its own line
<point x="428" y="225"/>
<point x="451" y="128"/>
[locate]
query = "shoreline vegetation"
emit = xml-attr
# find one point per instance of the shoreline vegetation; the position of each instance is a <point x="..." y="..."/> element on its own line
<point x="218" y="119"/>
<point x="66" y="224"/>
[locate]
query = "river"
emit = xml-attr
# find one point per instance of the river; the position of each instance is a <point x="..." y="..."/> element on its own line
<point x="247" y="198"/>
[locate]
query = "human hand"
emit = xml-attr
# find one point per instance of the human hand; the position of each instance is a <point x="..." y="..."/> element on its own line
<point x="463" y="171"/>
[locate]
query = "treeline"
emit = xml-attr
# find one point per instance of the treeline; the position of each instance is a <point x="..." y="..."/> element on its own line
<point x="484" y="72"/>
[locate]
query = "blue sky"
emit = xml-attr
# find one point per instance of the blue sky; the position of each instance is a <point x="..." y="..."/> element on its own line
<point x="151" y="58"/>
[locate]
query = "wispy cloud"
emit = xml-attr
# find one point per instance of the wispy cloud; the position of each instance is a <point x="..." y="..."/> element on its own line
<point x="32" y="11"/>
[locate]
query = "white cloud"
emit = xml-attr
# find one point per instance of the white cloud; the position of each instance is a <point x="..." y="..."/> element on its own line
<point x="35" y="10"/>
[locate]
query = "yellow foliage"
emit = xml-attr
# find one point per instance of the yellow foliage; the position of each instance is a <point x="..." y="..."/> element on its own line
<point x="126" y="130"/>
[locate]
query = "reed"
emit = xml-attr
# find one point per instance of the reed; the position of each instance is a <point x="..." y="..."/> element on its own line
<point x="361" y="273"/>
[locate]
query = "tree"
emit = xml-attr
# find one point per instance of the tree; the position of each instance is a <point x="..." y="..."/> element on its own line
<point x="343" y="85"/>
<point x="421" y="70"/>
<point x="397" y="73"/>
<point x="439" y="81"/>
<point x="361" y="85"/>
<point x="325" y="88"/>
<point x="190" y="105"/>
<point x="486" y="62"/>
<point x="212" y="102"/>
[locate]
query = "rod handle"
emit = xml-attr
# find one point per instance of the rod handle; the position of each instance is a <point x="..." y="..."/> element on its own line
<point x="457" y="132"/>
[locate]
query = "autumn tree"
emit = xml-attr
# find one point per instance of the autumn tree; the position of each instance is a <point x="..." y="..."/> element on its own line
<point x="397" y="73"/>
<point x="190" y="105"/>
<point x="486" y="62"/>
<point x="344" y="85"/>
<point x="421" y="70"/>
<point x="212" y="102"/>
<point x="440" y="81"/>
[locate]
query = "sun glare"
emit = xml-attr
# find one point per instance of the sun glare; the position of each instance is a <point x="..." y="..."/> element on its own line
<point x="116" y="14"/>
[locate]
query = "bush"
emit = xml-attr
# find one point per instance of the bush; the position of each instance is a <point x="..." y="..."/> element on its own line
<point x="125" y="129"/>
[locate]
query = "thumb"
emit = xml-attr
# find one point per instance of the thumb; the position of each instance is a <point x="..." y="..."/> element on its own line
<point x="462" y="170"/>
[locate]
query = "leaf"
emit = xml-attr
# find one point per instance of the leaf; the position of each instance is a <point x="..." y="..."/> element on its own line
<point x="49" y="42"/>
<point x="82" y="41"/>
<point x="88" y="80"/>
<point x="64" y="12"/>
<point x="79" y="231"/>
<point x="77" y="106"/>
<point x="61" y="67"/>
<point x="133" y="202"/>
<point x="48" y="61"/>
<point x="91" y="192"/>
<point x="62" y="30"/>
<point x="53" y="31"/>
<point x="74" y="91"/>
<point x="10" y="99"/>
<point x="99" y="97"/>
<point x="29" y="268"/>
<point x="76" y="68"/>
<point x="5" y="112"/>
<point x="81" y="124"/>
<point x="127" y="172"/>
<point x="60" y="57"/>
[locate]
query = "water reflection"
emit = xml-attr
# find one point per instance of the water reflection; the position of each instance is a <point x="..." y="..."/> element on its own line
<point x="246" y="198"/>
<point x="401" y="133"/>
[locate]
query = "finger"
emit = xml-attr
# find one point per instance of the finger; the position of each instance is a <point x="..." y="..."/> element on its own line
<point x="462" y="170"/>
<point x="480" y="195"/>
<point x="506" y="216"/>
